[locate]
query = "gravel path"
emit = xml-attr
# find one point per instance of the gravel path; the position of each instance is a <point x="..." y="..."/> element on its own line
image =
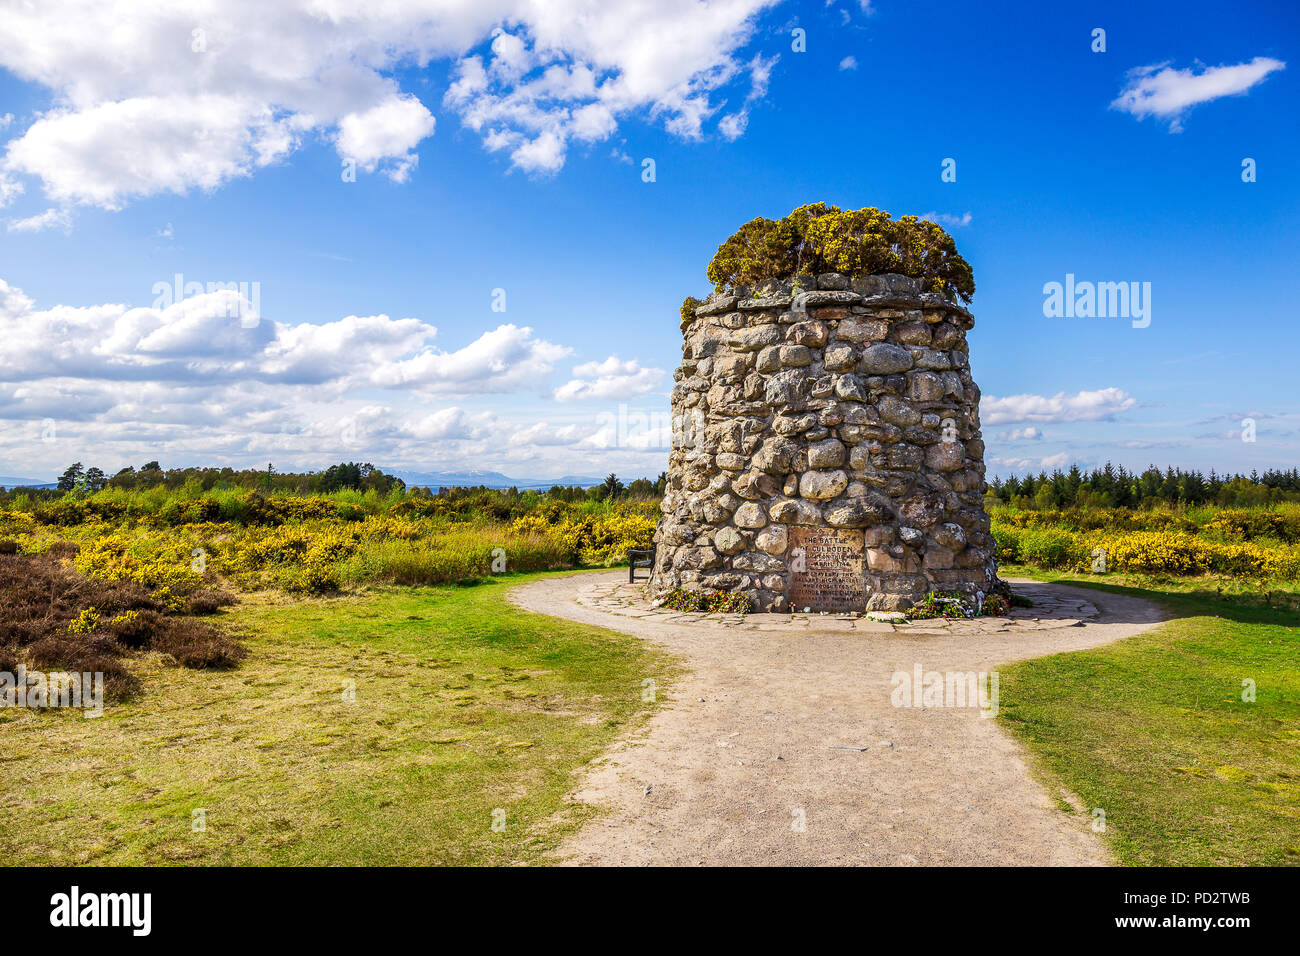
<point x="745" y="750"/>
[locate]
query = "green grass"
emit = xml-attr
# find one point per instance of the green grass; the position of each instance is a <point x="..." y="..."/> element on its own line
<point x="464" y="705"/>
<point x="1154" y="731"/>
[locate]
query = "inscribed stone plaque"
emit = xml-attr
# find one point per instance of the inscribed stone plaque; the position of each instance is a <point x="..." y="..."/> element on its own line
<point x="826" y="569"/>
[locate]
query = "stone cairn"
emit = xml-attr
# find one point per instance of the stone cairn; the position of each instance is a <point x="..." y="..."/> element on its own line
<point x="826" y="449"/>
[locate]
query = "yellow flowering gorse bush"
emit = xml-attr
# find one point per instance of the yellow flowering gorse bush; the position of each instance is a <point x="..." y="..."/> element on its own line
<point x="1144" y="552"/>
<point x="313" y="545"/>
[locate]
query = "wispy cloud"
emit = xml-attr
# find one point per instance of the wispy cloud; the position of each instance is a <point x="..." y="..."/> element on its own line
<point x="1049" y="463"/>
<point x="1162" y="91"/>
<point x="733" y="125"/>
<point x="947" y="219"/>
<point x="53" y="218"/>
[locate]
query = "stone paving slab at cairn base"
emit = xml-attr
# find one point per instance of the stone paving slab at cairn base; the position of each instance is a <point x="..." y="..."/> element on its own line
<point x="826" y="449"/>
<point x="1052" y="609"/>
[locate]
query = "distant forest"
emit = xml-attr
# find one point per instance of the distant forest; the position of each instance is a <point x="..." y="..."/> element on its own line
<point x="1110" y="486"/>
<point x="349" y="475"/>
<point x="1113" y="487"/>
<point x="343" y="476"/>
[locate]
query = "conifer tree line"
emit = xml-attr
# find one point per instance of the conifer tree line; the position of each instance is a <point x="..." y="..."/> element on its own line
<point x="1112" y="486"/>
<point x="345" y="475"/>
<point x="349" y="474"/>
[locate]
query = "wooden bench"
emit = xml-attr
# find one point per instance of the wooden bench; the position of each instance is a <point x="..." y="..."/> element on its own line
<point x="637" y="558"/>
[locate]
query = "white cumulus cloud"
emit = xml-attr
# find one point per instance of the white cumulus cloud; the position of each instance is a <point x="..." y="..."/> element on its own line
<point x="389" y="131"/>
<point x="229" y="88"/>
<point x="1053" y="462"/>
<point x="1021" y="434"/>
<point x="108" y="153"/>
<point x="1087" y="406"/>
<point x="611" y="378"/>
<point x="506" y="359"/>
<point x="207" y="379"/>
<point x="218" y="338"/>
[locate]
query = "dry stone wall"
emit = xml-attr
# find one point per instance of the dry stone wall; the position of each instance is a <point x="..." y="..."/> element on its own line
<point x="826" y="449"/>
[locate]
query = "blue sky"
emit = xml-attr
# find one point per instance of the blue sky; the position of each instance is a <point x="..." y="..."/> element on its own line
<point x="499" y="147"/>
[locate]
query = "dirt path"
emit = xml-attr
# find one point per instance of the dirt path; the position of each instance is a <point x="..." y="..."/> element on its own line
<point x="743" y="750"/>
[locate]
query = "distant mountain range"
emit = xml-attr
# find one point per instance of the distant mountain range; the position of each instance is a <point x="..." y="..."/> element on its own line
<point x="488" y="479"/>
<point x="7" y="481"/>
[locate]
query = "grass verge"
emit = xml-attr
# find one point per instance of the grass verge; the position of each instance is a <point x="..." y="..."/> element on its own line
<point x="1154" y="729"/>
<point x="464" y="705"/>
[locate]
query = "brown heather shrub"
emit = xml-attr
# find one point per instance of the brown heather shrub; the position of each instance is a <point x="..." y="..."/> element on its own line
<point x="197" y="644"/>
<point x="134" y="631"/>
<point x="56" y="620"/>
<point x="9" y="659"/>
<point x="210" y="601"/>
<point x="64" y="549"/>
<point x="77" y="653"/>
